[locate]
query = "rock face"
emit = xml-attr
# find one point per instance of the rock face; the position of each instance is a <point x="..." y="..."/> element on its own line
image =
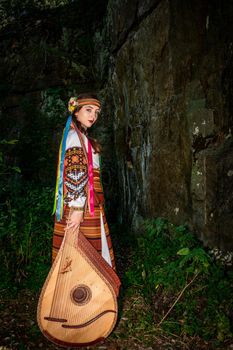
<point x="171" y="84"/>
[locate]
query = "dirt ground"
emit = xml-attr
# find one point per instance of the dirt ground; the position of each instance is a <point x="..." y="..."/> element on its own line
<point x="19" y="329"/>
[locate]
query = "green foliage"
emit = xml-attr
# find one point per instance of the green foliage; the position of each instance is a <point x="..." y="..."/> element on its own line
<point x="39" y="138"/>
<point x="27" y="180"/>
<point x="25" y="236"/>
<point x="179" y="277"/>
<point x="53" y="107"/>
<point x="6" y="169"/>
<point x="9" y="9"/>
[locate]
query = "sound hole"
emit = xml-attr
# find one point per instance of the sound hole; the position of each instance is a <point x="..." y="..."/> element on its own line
<point x="81" y="294"/>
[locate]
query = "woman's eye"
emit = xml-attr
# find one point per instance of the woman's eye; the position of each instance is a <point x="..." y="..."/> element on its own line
<point x="88" y="110"/>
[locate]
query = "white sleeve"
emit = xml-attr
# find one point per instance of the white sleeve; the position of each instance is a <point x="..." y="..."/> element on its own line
<point x="72" y="139"/>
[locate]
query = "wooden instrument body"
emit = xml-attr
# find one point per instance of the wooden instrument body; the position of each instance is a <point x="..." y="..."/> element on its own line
<point x="78" y="302"/>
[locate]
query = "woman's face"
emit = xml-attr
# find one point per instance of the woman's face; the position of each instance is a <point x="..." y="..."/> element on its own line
<point x="87" y="115"/>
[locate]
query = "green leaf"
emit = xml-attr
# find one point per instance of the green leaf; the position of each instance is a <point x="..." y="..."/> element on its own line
<point x="16" y="169"/>
<point x="10" y="142"/>
<point x="183" y="251"/>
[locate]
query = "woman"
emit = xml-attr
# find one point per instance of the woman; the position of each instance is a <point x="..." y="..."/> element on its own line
<point x="79" y="199"/>
<point x="78" y="302"/>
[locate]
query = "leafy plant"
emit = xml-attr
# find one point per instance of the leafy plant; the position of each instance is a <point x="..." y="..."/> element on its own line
<point x="6" y="169"/>
<point x="189" y="293"/>
<point x="25" y="236"/>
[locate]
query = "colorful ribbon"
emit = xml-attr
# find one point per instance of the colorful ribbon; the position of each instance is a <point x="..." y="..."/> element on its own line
<point x="91" y="182"/>
<point x="59" y="195"/>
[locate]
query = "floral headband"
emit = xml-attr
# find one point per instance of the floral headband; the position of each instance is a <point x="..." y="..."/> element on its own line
<point x="74" y="102"/>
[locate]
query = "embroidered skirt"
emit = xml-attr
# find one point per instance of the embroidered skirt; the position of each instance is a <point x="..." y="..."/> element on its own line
<point x="93" y="227"/>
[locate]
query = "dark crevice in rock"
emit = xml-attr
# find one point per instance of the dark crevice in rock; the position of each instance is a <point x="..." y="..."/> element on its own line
<point x="201" y="143"/>
<point x="138" y="19"/>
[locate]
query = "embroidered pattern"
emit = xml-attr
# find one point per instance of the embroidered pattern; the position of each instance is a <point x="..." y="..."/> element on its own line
<point x="76" y="174"/>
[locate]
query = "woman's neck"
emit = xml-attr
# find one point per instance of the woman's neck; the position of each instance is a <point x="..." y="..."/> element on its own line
<point x="80" y="127"/>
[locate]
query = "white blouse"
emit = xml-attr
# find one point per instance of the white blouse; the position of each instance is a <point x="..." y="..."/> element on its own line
<point x="74" y="141"/>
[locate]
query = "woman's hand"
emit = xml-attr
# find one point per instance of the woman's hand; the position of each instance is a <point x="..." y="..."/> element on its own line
<point x="75" y="220"/>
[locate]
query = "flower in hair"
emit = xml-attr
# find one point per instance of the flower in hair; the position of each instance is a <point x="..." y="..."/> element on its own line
<point x="72" y="104"/>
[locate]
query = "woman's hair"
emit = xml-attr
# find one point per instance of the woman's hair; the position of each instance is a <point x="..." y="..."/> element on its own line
<point x="95" y="144"/>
